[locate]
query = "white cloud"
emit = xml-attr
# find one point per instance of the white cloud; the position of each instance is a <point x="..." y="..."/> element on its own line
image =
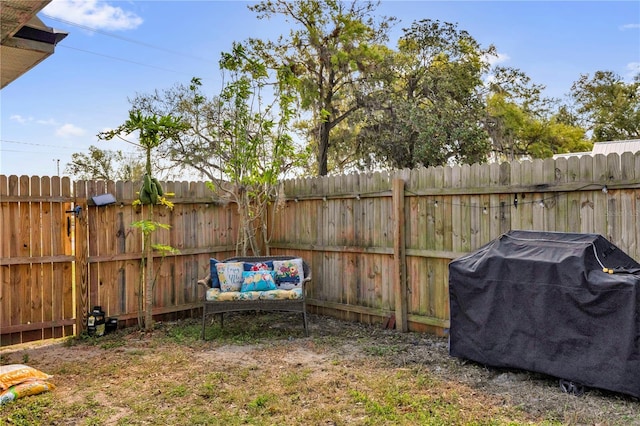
<point x="93" y="13"/>
<point x="20" y="119"/>
<point x="67" y="130"/>
<point x="629" y="27"/>
<point x="633" y="68"/>
<point x="498" y="58"/>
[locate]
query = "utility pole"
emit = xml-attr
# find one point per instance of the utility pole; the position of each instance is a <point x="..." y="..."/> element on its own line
<point x="57" y="160"/>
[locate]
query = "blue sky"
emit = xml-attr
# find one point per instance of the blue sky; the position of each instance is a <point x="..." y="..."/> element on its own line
<point x="117" y="49"/>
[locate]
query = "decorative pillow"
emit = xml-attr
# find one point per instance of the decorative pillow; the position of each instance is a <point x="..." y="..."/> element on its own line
<point x="258" y="281"/>
<point x="230" y="275"/>
<point x="289" y="273"/>
<point x="213" y="273"/>
<point x="259" y="266"/>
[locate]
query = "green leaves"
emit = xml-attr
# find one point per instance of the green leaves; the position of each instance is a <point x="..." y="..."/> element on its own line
<point x="609" y="105"/>
<point x="149" y="226"/>
<point x="423" y="103"/>
<point x="165" y="249"/>
<point x="152" y="129"/>
<point x="517" y="131"/>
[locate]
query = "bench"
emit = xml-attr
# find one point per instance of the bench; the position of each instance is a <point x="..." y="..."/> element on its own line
<point x="283" y="298"/>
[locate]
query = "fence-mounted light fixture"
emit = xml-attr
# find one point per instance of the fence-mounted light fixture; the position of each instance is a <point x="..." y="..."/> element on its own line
<point x="103" y="200"/>
<point x="76" y="211"/>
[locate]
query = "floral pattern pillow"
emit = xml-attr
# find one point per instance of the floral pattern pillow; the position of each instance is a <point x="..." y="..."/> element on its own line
<point x="258" y="281"/>
<point x="289" y="273"/>
<point x="259" y="266"/>
<point x="230" y="275"/>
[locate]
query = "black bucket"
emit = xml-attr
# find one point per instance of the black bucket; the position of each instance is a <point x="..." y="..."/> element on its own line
<point x="96" y="322"/>
<point x="111" y="325"/>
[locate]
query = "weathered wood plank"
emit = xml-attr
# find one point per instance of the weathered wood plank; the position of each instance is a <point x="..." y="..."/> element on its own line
<point x="36" y="282"/>
<point x="400" y="262"/>
<point x="24" y="249"/>
<point x="6" y="272"/>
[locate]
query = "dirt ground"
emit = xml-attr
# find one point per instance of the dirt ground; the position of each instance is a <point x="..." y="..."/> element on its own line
<point x="539" y="396"/>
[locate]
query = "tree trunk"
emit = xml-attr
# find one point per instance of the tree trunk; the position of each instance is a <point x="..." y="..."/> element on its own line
<point x="323" y="148"/>
<point x="246" y="234"/>
<point x="148" y="291"/>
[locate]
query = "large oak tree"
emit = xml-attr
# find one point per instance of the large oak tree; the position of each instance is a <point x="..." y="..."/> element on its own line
<point x="609" y="106"/>
<point x="425" y="105"/>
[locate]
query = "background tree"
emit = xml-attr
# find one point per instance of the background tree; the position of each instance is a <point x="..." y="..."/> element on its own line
<point x="192" y="149"/>
<point x="424" y="105"/>
<point x="252" y="139"/>
<point x="326" y="55"/>
<point x="236" y="140"/>
<point x="521" y="122"/>
<point x="105" y="165"/>
<point x="609" y="107"/>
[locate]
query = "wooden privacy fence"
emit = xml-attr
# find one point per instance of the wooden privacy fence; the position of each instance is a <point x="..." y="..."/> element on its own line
<point x="61" y="255"/>
<point x="366" y="267"/>
<point x="36" y="262"/>
<point x="199" y="228"/>
<point x="378" y="244"/>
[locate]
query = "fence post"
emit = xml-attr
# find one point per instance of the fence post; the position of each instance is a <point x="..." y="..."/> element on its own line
<point x="399" y="256"/>
<point x="81" y="279"/>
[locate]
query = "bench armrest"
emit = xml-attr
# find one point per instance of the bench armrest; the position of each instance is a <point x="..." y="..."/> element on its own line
<point x="205" y="282"/>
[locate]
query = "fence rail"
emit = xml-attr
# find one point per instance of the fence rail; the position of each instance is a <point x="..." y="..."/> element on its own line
<point x="379" y="244"/>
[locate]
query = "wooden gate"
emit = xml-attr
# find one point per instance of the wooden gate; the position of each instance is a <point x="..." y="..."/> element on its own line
<point x="37" y="299"/>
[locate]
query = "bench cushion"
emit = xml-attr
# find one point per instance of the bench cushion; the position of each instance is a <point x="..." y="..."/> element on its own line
<point x="215" y="295"/>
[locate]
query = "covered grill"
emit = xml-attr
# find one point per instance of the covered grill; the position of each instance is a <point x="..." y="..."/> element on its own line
<point x="561" y="304"/>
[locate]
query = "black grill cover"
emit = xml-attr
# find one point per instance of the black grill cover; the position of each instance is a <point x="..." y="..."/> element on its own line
<point x="540" y="301"/>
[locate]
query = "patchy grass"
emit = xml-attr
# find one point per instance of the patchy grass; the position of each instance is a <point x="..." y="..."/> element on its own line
<point x="261" y="370"/>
